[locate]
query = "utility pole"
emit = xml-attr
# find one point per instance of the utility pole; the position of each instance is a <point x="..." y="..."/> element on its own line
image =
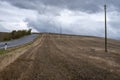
<point x="105" y="8"/>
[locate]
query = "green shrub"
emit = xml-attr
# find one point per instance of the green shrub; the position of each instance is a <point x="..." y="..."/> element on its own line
<point x="16" y="34"/>
<point x="20" y="33"/>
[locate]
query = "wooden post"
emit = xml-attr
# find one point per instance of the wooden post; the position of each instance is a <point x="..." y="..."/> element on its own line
<point x="105" y="7"/>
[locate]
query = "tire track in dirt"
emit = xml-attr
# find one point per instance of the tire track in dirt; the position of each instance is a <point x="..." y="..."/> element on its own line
<point x="15" y="70"/>
<point x="54" y="63"/>
<point x="43" y="67"/>
<point x="81" y="56"/>
<point x="57" y="59"/>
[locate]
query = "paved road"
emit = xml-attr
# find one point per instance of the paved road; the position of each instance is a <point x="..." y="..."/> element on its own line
<point x="20" y="41"/>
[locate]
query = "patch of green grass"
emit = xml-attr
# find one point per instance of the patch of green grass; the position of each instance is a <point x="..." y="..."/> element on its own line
<point x="2" y="51"/>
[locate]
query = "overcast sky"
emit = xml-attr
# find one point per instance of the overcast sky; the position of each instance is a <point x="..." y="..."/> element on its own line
<point x="82" y="17"/>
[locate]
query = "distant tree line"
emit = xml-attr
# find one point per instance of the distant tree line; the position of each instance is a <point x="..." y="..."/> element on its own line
<point x="17" y="34"/>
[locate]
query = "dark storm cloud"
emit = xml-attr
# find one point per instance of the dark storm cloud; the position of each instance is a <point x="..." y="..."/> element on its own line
<point x="84" y="5"/>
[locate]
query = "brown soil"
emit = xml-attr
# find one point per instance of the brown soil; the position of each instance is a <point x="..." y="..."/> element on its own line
<point x="63" y="57"/>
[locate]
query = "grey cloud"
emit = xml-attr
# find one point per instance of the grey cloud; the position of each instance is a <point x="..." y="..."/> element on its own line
<point x="1" y="20"/>
<point x="114" y="30"/>
<point x="3" y="29"/>
<point x="41" y="26"/>
<point x="90" y="6"/>
<point x="83" y="5"/>
<point x="54" y="7"/>
<point x="49" y="26"/>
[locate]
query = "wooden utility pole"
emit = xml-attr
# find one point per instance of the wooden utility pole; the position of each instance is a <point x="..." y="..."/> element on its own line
<point x="105" y="8"/>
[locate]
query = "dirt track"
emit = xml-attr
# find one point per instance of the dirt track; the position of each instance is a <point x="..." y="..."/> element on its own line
<point x="55" y="57"/>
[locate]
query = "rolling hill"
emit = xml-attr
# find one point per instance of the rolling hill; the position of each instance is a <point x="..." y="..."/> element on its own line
<point x="63" y="57"/>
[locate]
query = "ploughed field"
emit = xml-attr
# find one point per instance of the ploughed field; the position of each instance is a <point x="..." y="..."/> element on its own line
<point x="63" y="57"/>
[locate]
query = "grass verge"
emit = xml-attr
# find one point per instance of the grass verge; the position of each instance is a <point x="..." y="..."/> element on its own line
<point x="2" y="51"/>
